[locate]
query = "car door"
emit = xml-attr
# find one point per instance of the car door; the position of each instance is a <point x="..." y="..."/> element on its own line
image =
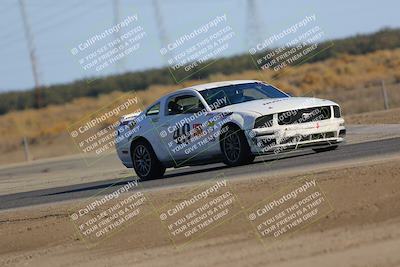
<point x="182" y="130"/>
<point x="151" y="123"/>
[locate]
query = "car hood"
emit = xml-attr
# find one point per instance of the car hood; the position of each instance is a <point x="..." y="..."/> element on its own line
<point x="276" y="105"/>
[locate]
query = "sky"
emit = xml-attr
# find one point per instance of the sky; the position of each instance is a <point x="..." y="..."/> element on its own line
<point x="59" y="26"/>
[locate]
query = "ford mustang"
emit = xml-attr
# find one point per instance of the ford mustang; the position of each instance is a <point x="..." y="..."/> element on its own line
<point x="230" y="122"/>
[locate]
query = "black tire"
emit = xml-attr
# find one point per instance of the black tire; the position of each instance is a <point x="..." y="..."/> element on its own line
<point x="235" y="149"/>
<point x="145" y="162"/>
<point x="325" y="149"/>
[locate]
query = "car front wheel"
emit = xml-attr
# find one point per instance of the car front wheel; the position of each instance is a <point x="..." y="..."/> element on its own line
<point x="145" y="162"/>
<point x="235" y="149"/>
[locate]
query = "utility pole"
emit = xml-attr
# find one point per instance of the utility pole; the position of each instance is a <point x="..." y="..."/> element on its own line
<point x="117" y="19"/>
<point x="32" y="51"/>
<point x="160" y="23"/>
<point x="26" y="149"/>
<point x="385" y="96"/>
<point x="253" y="24"/>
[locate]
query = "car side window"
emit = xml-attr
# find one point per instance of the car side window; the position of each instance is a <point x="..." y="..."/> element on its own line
<point x="154" y="110"/>
<point x="184" y="104"/>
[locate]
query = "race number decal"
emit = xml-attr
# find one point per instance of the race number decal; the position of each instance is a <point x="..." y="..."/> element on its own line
<point x="197" y="130"/>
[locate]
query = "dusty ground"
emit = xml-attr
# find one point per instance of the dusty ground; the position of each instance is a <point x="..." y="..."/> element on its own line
<point x="390" y="116"/>
<point x="363" y="229"/>
<point x="72" y="170"/>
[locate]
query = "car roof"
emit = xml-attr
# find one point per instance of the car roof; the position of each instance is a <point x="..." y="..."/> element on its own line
<point x="206" y="86"/>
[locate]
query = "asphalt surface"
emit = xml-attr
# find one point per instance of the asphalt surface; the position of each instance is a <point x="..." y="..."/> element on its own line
<point x="261" y="166"/>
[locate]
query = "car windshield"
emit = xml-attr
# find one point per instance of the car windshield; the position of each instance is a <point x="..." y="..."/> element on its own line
<point x="234" y="94"/>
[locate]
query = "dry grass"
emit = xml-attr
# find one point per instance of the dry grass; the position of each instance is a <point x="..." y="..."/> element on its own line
<point x="352" y="81"/>
<point x="390" y="116"/>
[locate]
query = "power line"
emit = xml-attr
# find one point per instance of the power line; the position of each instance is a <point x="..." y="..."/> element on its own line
<point x="32" y="50"/>
<point x="46" y="19"/>
<point x="49" y="26"/>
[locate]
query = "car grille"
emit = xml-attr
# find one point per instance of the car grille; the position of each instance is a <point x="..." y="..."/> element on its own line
<point x="304" y="115"/>
<point x="304" y="138"/>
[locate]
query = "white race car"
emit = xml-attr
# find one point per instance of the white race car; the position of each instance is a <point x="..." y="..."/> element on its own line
<point x="231" y="121"/>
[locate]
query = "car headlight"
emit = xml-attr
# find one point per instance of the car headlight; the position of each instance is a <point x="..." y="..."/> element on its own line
<point x="264" y="121"/>
<point x="336" y="112"/>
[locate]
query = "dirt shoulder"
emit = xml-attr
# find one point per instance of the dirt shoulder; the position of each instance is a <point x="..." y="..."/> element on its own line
<point x="365" y="219"/>
<point x="390" y="116"/>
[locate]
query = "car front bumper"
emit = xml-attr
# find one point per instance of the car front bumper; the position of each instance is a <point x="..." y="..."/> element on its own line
<point x="273" y="140"/>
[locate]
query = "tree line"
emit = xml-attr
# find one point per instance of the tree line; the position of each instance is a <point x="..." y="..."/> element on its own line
<point x="59" y="94"/>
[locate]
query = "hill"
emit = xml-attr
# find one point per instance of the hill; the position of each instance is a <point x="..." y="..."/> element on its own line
<point x="59" y="94"/>
<point x="354" y="81"/>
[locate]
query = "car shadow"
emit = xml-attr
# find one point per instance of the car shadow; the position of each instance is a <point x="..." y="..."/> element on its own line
<point x="105" y="187"/>
<point x="259" y="160"/>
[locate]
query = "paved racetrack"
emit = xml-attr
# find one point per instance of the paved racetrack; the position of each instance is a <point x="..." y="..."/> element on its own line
<point x="111" y="173"/>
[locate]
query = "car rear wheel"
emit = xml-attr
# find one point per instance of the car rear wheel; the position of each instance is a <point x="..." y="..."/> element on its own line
<point x="325" y="149"/>
<point x="235" y="149"/>
<point x="145" y="162"/>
